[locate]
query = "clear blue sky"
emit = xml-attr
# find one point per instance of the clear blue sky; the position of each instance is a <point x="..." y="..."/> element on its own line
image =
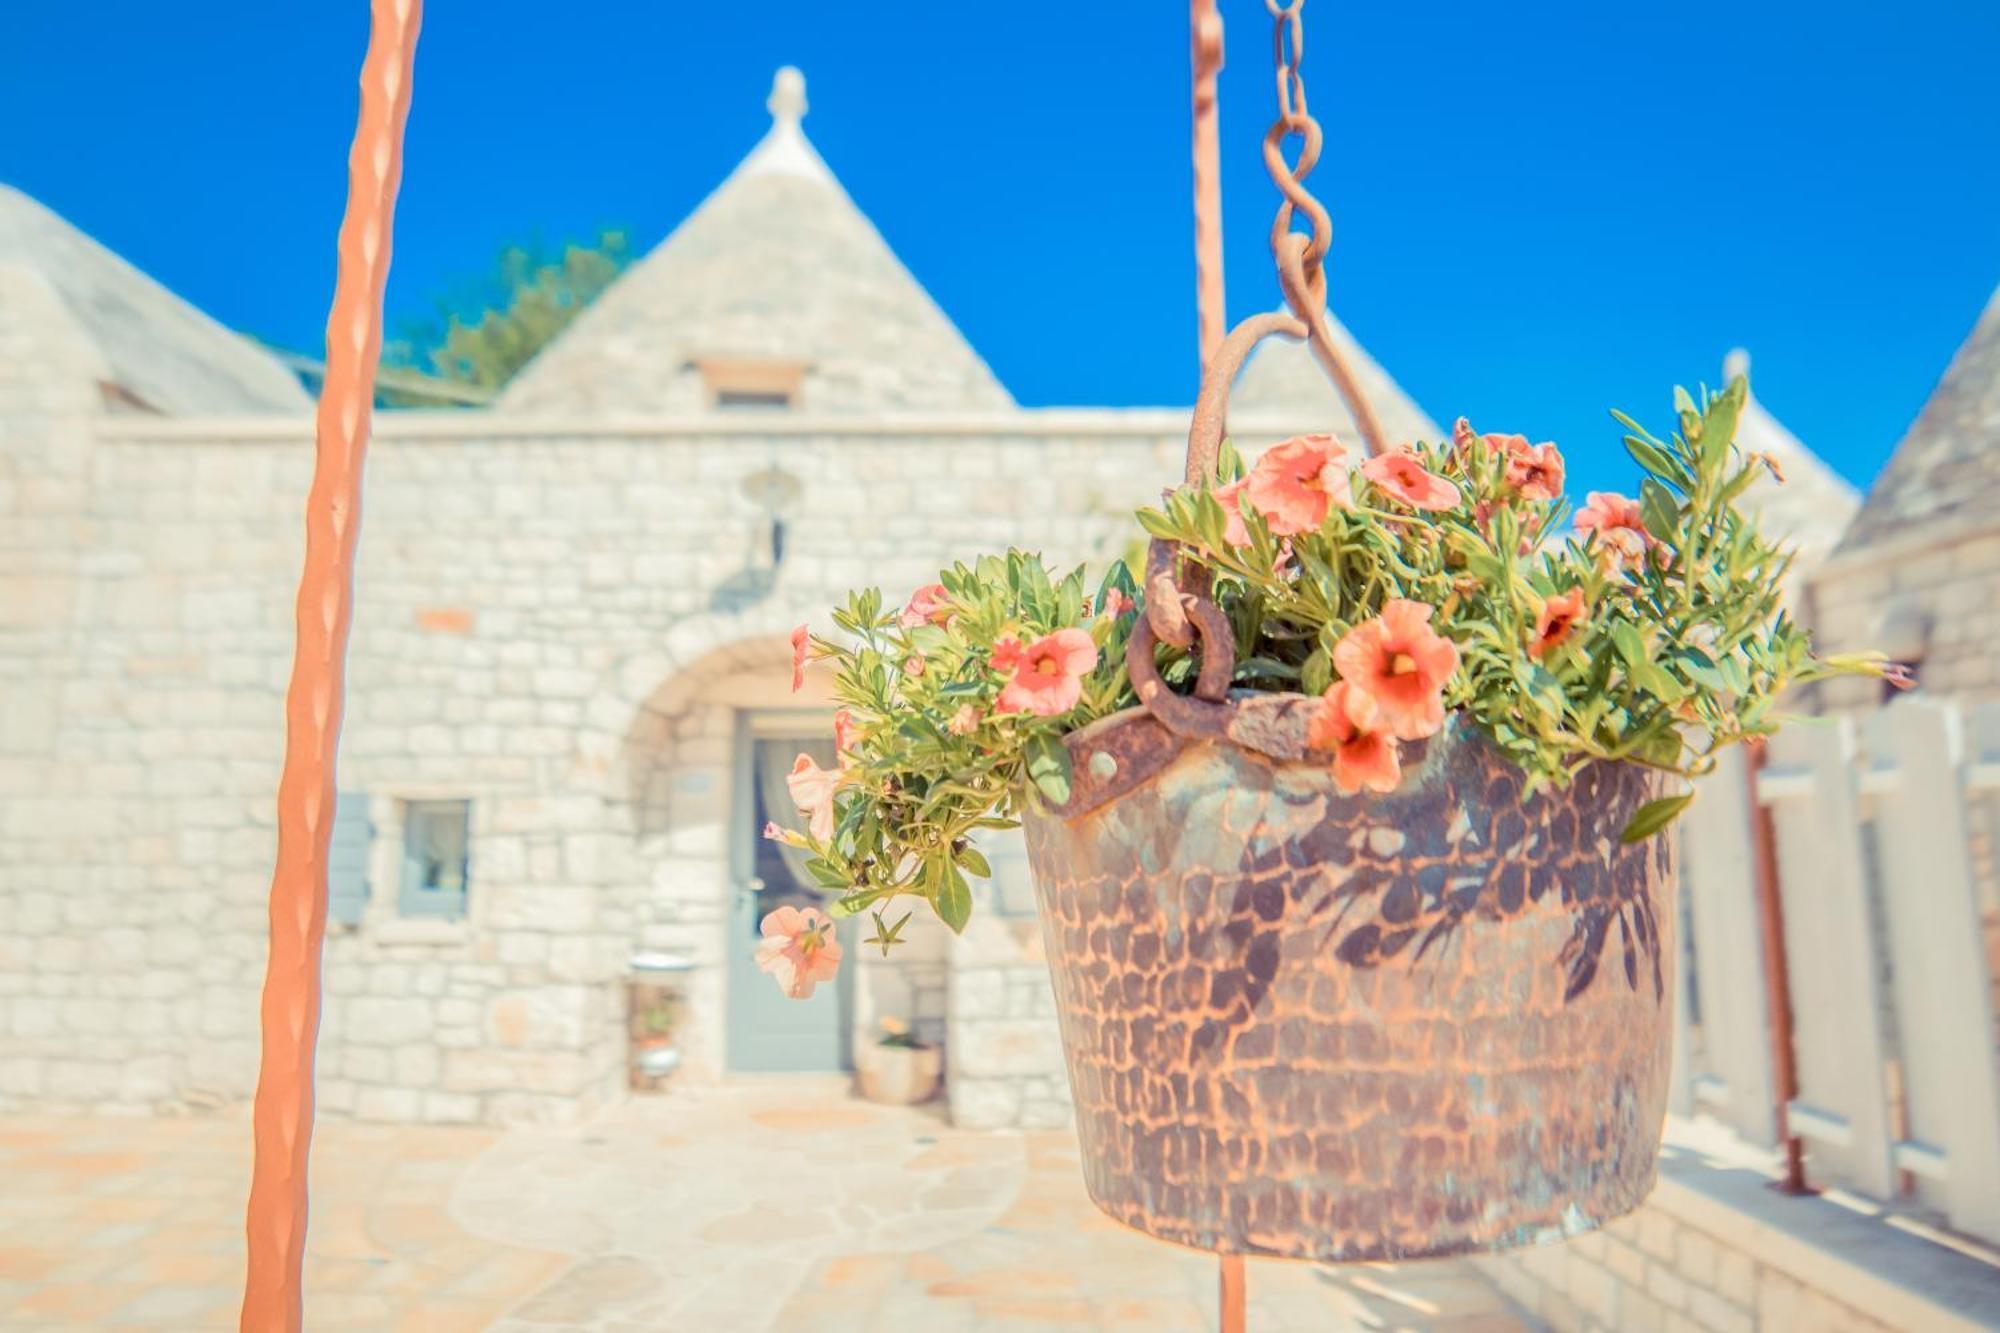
<point x="1543" y="209"/>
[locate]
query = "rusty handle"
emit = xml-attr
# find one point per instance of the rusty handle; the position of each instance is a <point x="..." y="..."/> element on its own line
<point x="1177" y="592"/>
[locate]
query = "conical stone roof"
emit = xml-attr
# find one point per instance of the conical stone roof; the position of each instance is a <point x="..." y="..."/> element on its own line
<point x="776" y="268"/>
<point x="1946" y="472"/>
<point x="1283" y="382"/>
<point x="157" y="352"/>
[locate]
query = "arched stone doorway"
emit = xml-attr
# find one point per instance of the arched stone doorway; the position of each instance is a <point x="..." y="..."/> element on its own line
<point x="695" y="767"/>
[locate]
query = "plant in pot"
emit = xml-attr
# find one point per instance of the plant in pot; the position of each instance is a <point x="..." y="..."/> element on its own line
<point x="1357" y="912"/>
<point x="899" y="1069"/>
<point x="654" y="1013"/>
<point x="1345" y="817"/>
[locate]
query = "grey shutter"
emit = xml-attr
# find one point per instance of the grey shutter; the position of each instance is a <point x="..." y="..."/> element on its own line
<point x="347" y="860"/>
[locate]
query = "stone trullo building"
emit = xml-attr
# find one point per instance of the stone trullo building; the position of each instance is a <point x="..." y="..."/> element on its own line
<point x="568" y="698"/>
<point x="1917" y="574"/>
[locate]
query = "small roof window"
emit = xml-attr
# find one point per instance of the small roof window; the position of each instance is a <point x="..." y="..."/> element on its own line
<point x="752" y="384"/>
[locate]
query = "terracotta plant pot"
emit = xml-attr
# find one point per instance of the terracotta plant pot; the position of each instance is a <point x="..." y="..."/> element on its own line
<point x="899" y="1075"/>
<point x="1338" y="1027"/>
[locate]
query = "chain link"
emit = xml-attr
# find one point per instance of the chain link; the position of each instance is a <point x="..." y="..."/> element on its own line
<point x="1288" y="48"/>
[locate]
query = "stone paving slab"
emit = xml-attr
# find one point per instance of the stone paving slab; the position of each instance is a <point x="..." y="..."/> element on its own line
<point x="775" y="1203"/>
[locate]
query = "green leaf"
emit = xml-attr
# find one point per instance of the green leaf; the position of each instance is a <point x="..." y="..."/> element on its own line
<point x="1718" y="426"/>
<point x="975" y="862"/>
<point x="1250" y="668"/>
<point x="1317" y="674"/>
<point x="1659" y="512"/>
<point x="1655" y="462"/>
<point x="826" y="873"/>
<point x="1048" y="765"/>
<point x="953" y="899"/>
<point x="1651" y="677"/>
<point x="1157" y="524"/>
<point x="1654" y="816"/>
<point x="1699" y="667"/>
<point x="1630" y="646"/>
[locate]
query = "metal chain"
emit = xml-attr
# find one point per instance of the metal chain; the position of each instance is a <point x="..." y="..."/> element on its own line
<point x="1178" y="607"/>
<point x="1288" y="40"/>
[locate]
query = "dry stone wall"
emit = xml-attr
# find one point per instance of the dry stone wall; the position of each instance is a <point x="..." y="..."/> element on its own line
<point x="538" y="612"/>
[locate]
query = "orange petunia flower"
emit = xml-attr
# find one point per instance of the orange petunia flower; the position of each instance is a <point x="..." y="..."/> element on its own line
<point x="798" y="949"/>
<point x="1048" y="673"/>
<point x="928" y="605"/>
<point x="1295" y="483"/>
<point x="1535" y="471"/>
<point x="1402" y="664"/>
<point x="812" y="790"/>
<point x="1615" y="519"/>
<point x="1556" y="620"/>
<point x="1403" y="477"/>
<point x="798" y="658"/>
<point x="1347" y="724"/>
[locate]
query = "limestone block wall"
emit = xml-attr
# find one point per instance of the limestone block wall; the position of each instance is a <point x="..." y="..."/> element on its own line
<point x="1728" y="1255"/>
<point x="539" y="608"/>
<point x="1003" y="1050"/>
<point x="75" y="932"/>
<point x="1954" y="583"/>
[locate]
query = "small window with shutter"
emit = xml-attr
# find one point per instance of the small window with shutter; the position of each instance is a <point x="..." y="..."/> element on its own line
<point x="436" y="838"/>
<point x="347" y="860"/>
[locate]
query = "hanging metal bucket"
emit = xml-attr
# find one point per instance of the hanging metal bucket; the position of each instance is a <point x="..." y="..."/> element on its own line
<point x="1332" y="1027"/>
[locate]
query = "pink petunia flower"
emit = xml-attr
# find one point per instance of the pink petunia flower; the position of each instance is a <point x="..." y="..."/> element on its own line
<point x="1296" y="483"/>
<point x="1006" y="654"/>
<point x="798" y="949"/>
<point x="913" y="665"/>
<point x="964" y="722"/>
<point x="843" y="734"/>
<point x="929" y="605"/>
<point x="1401" y="663"/>
<point x="798" y="658"/>
<point x="1048" y="674"/>
<point x="1348" y="725"/>
<point x="812" y="790"/>
<point x="1556" y="620"/>
<point x="1535" y="471"/>
<point x="1615" y="519"/>
<point x="1403" y="477"/>
<point x="776" y="832"/>
<point x="1115" y="603"/>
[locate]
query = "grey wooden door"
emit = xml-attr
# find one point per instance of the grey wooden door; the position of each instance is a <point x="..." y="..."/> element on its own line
<point x="768" y="1030"/>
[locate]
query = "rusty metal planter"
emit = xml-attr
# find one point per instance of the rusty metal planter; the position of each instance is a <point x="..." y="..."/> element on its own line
<point x="1336" y="1027"/>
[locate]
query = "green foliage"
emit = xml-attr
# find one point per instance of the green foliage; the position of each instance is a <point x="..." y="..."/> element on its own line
<point x="1680" y="646"/>
<point x="529" y="297"/>
<point x="934" y="760"/>
<point x="1682" y="650"/>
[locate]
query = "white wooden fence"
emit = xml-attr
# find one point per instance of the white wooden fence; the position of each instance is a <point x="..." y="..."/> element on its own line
<point x="1884" y="839"/>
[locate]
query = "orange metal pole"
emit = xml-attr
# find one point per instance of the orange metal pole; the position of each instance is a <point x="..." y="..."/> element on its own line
<point x="1205" y="31"/>
<point x="1207" y="40"/>
<point x="275" y="1224"/>
<point x="1777" y="968"/>
<point x="1231" y="1295"/>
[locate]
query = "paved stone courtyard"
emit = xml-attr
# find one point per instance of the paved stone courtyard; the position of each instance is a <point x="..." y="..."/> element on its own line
<point x="780" y="1203"/>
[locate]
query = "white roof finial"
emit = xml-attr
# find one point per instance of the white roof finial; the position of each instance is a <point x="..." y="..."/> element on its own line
<point x="787" y="102"/>
<point x="1736" y="363"/>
